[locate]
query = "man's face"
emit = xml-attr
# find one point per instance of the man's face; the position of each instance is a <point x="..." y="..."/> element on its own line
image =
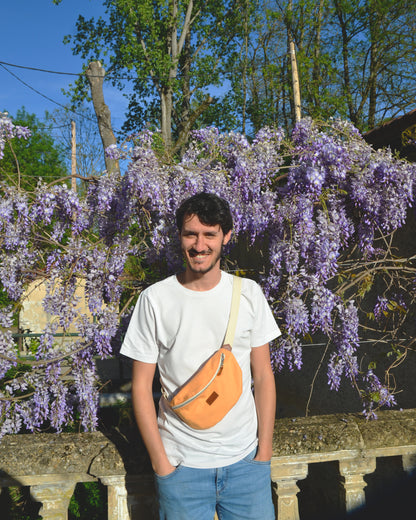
<point x="202" y="244"/>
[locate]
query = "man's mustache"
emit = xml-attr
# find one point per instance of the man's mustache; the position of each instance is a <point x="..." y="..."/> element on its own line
<point x="194" y="252"/>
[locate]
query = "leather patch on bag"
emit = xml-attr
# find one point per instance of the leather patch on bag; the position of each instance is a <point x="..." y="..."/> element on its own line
<point x="212" y="398"/>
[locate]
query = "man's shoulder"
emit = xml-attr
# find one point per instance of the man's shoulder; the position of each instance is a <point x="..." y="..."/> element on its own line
<point x="160" y="287"/>
<point x="247" y="283"/>
<point x="250" y="289"/>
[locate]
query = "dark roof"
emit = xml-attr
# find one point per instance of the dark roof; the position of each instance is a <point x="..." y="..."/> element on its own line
<point x="391" y="134"/>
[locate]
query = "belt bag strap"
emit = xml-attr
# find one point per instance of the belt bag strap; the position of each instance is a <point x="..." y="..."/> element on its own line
<point x="235" y="304"/>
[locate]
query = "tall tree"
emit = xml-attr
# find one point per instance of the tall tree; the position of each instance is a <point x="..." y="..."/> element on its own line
<point x="26" y="161"/>
<point x="169" y="52"/>
<point x="259" y="86"/>
<point x="282" y="29"/>
<point x="355" y="59"/>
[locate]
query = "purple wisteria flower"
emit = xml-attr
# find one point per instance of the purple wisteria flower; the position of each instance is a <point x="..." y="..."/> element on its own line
<point x="380" y="308"/>
<point x="343" y="361"/>
<point x="376" y="395"/>
<point x="287" y="351"/>
<point x="323" y="303"/>
<point x="8" y="130"/>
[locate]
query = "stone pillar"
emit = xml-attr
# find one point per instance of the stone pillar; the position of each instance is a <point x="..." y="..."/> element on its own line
<point x="141" y="497"/>
<point x="409" y="463"/>
<point x="54" y="497"/>
<point x="285" y="477"/>
<point x="117" y="497"/>
<point x="352" y="479"/>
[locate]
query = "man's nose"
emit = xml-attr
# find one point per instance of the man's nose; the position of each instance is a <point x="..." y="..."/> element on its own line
<point x="199" y="242"/>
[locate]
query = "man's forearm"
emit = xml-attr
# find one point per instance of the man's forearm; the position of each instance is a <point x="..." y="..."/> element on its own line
<point x="265" y="398"/>
<point x="146" y="418"/>
<point x="145" y="414"/>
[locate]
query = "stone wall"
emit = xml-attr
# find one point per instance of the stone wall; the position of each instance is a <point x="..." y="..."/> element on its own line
<point x="322" y="467"/>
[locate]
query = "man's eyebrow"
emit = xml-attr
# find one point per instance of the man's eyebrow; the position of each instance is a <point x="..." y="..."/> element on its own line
<point x="192" y="232"/>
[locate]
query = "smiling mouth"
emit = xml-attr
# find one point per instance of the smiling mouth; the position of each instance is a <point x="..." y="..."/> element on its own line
<point x="198" y="254"/>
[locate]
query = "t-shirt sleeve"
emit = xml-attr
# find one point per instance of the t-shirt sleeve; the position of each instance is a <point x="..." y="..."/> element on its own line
<point x="140" y="340"/>
<point x="265" y="327"/>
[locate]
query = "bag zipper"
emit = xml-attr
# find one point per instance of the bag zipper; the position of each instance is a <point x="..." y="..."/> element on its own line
<point x="221" y="363"/>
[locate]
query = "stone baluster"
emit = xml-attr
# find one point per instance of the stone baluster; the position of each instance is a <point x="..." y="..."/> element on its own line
<point x="116" y="497"/>
<point x="54" y="497"/>
<point x="130" y="497"/>
<point x="141" y="497"/>
<point x="285" y="477"/>
<point x="352" y="479"/>
<point x="409" y="463"/>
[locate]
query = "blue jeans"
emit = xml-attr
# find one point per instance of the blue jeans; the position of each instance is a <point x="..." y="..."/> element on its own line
<point x="241" y="491"/>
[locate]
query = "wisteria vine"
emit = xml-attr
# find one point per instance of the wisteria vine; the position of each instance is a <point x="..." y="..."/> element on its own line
<point x="320" y="204"/>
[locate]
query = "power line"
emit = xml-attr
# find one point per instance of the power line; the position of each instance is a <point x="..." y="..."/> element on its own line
<point x="44" y="95"/>
<point x="39" y="70"/>
<point x="32" y="88"/>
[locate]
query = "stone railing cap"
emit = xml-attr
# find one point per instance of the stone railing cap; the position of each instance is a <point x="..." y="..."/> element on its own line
<point x="83" y="453"/>
<point x="344" y="432"/>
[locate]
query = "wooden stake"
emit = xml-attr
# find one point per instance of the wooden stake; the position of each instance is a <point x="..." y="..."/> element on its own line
<point x="73" y="157"/>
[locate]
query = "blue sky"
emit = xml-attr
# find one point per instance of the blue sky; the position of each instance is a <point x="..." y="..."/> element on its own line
<point x="31" y="35"/>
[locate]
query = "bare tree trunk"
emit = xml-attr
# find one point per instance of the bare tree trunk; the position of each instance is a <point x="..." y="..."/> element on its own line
<point x="185" y="65"/>
<point x="95" y="74"/>
<point x="186" y="127"/>
<point x="245" y="68"/>
<point x="373" y="20"/>
<point x="73" y="157"/>
<point x="166" y="116"/>
<point x="294" y="66"/>
<point x="373" y="90"/>
<point x="316" y="71"/>
<point x="295" y="78"/>
<point x="346" y="70"/>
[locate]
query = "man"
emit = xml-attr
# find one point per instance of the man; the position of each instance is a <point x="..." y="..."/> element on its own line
<point x="178" y="323"/>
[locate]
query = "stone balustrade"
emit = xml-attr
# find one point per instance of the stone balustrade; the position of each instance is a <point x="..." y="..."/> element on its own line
<point x="52" y="464"/>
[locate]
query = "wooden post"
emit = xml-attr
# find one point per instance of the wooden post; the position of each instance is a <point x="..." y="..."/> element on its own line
<point x="95" y="74"/>
<point x="73" y="157"/>
<point x="295" y="78"/>
<point x="294" y="67"/>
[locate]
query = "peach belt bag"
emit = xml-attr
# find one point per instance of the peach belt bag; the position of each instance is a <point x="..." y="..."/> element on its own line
<point x="216" y="386"/>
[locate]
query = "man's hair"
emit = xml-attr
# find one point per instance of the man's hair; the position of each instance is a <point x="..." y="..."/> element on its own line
<point x="209" y="208"/>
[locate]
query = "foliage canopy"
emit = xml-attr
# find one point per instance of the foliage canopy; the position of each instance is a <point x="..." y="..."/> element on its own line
<point x="38" y="155"/>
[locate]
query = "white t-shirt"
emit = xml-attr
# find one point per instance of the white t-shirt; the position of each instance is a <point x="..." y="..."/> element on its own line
<point x="178" y="329"/>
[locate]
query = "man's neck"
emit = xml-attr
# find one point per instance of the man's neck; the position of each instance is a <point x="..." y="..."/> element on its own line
<point x="200" y="281"/>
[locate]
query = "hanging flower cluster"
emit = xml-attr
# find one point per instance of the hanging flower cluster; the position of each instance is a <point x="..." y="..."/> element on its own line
<point x="8" y="130"/>
<point x="309" y="200"/>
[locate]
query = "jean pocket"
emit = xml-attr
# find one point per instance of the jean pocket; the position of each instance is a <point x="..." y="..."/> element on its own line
<point x="250" y="459"/>
<point x="169" y="475"/>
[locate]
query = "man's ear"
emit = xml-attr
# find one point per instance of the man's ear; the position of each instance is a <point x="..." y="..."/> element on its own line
<point x="226" y="238"/>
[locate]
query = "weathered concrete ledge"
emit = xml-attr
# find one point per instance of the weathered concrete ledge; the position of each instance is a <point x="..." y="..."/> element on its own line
<point x="89" y="454"/>
<point x="332" y="437"/>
